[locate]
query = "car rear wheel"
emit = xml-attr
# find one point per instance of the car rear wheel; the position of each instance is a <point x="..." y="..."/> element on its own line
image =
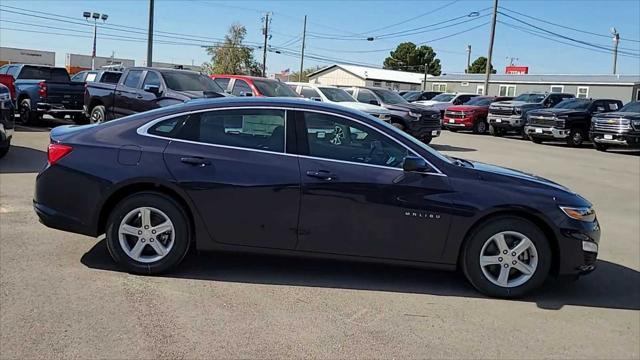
<point x="576" y="137"/>
<point x="507" y="257"/>
<point x="148" y="233"/>
<point x="97" y="115"/>
<point x="480" y="127"/>
<point x="27" y="116"/>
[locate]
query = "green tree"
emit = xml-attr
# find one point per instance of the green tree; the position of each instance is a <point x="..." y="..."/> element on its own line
<point x="479" y="66"/>
<point x="409" y="57"/>
<point x="231" y="56"/>
<point x="305" y="74"/>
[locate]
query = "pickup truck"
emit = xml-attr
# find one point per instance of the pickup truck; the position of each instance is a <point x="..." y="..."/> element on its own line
<point x="569" y="120"/>
<point x="44" y="90"/>
<point x="140" y="89"/>
<point x="620" y="128"/>
<point x="7" y="120"/>
<point x="511" y="115"/>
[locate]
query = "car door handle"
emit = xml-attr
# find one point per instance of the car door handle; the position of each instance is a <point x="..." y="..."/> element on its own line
<point x="118" y="93"/>
<point x="321" y="174"/>
<point x="196" y="161"/>
<point x="139" y="97"/>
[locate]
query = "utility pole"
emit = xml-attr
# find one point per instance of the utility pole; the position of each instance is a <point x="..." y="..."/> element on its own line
<point x="150" y="36"/>
<point x="487" y="71"/>
<point x="424" y="83"/>
<point x="304" y="36"/>
<point x="468" y="59"/>
<point x="616" y="40"/>
<point x="265" y="30"/>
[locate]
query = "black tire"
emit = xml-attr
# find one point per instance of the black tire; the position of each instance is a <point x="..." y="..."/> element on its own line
<point x="4" y="148"/>
<point x="398" y="125"/>
<point x="480" y="127"/>
<point x="576" y="137"/>
<point x="27" y="116"/>
<point x="173" y="211"/>
<point x="470" y="259"/>
<point x="536" y="140"/>
<point x="426" y="139"/>
<point x="452" y="129"/>
<point x="497" y="132"/>
<point x="98" y="115"/>
<point x="80" y="119"/>
<point x="600" y="147"/>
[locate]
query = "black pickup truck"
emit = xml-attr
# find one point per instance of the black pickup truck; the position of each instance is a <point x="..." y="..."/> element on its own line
<point x="103" y="76"/>
<point x="569" y="120"/>
<point x="44" y="90"/>
<point x="620" y="128"/>
<point x="140" y="89"/>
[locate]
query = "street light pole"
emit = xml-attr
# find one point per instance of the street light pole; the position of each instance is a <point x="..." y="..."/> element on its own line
<point x="487" y="71"/>
<point x="264" y="49"/>
<point x="616" y="40"/>
<point x="468" y="59"/>
<point x="150" y="36"/>
<point x="95" y="16"/>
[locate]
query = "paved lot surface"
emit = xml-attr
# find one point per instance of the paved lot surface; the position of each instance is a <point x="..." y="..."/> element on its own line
<point x="61" y="296"/>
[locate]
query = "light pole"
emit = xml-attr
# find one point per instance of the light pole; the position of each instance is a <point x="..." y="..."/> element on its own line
<point x="468" y="59"/>
<point x="95" y="16"/>
<point x="616" y="40"/>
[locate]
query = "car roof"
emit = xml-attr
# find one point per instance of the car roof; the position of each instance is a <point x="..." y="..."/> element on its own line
<point x="263" y="101"/>
<point x="244" y="77"/>
<point x="157" y="69"/>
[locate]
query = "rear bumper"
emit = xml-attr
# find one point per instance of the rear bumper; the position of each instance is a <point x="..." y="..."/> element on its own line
<point x="57" y="220"/>
<point x="57" y="109"/>
<point x="546" y="132"/>
<point x="628" y="139"/>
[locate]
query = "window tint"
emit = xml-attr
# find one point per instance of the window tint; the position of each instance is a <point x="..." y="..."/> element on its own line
<point x="133" y="78"/>
<point x="349" y="91"/>
<point x="189" y="81"/>
<point x="167" y="127"/>
<point x="336" y="138"/>
<point x="309" y="92"/>
<point x="44" y="73"/>
<point x="273" y="88"/>
<point x="241" y="88"/>
<point x="365" y="96"/>
<point x="248" y="128"/>
<point x="111" y="77"/>
<point x="79" y="77"/>
<point x="152" y="79"/>
<point x="222" y="82"/>
<point x="13" y="71"/>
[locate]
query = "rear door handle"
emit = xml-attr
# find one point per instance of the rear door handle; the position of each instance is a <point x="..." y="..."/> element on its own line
<point x="196" y="161"/>
<point x="139" y="97"/>
<point x="321" y="174"/>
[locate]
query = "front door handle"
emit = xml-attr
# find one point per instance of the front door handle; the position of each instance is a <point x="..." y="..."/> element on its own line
<point x="196" y="161"/>
<point x="139" y="97"/>
<point x="321" y="174"/>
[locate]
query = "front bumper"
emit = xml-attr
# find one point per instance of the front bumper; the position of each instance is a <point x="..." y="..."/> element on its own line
<point x="578" y="246"/>
<point x="457" y="123"/>
<point x="506" y="122"/>
<point x="546" y="132"/>
<point x="619" y="139"/>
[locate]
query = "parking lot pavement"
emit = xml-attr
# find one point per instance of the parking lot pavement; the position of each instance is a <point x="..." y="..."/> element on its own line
<point x="61" y="295"/>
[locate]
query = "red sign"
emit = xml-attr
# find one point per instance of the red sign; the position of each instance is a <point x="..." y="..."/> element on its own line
<point x="517" y="70"/>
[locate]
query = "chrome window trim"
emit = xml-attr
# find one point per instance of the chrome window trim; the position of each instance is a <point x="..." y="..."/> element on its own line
<point x="143" y="131"/>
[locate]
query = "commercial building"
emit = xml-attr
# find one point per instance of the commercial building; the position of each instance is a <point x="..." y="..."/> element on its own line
<point x="622" y="87"/>
<point x="26" y="56"/>
<point x="352" y="75"/>
<point x="77" y="62"/>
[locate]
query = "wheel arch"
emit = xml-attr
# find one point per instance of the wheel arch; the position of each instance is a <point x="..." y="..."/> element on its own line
<point x="398" y="119"/>
<point x="93" y="103"/>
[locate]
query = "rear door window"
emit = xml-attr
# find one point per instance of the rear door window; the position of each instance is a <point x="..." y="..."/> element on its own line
<point x="309" y="92"/>
<point x="241" y="88"/>
<point x="133" y="79"/>
<point x="223" y="82"/>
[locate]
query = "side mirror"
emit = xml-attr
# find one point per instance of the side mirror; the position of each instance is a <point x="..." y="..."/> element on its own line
<point x="415" y="164"/>
<point x="248" y="93"/>
<point x="154" y="89"/>
<point x="316" y="99"/>
<point x="374" y="102"/>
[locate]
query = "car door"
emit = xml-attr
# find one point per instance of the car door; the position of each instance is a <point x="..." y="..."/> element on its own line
<point x="357" y="200"/>
<point x="146" y="100"/>
<point x="126" y="94"/>
<point x="234" y="167"/>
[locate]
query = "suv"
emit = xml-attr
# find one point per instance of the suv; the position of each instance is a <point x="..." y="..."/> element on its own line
<point x="617" y="128"/>
<point x="511" y="115"/>
<point x="332" y="94"/>
<point x="243" y="85"/>
<point x="470" y="116"/>
<point x="443" y="101"/>
<point x="569" y="120"/>
<point x="419" y="121"/>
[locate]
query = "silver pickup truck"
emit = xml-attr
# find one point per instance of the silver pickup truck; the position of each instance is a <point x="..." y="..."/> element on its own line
<point x="505" y="116"/>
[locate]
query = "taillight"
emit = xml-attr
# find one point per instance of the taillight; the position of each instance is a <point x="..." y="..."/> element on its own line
<point x="55" y="152"/>
<point x="42" y="89"/>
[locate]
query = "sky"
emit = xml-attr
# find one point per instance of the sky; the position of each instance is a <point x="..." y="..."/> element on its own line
<point x="337" y="30"/>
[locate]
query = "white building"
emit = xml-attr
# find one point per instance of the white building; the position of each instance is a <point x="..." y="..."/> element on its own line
<point x="26" y="56"/>
<point x="352" y="75"/>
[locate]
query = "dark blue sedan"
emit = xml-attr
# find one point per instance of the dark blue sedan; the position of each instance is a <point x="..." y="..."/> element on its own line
<point x="296" y="177"/>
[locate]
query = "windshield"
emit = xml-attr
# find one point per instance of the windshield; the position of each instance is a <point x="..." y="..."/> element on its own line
<point x="411" y="95"/>
<point x="272" y="88"/>
<point x="631" y="107"/>
<point x="336" y="95"/>
<point x="480" y="101"/>
<point x="530" y="98"/>
<point x="573" y="104"/>
<point x="443" y="97"/>
<point x="389" y="97"/>
<point x="188" y="81"/>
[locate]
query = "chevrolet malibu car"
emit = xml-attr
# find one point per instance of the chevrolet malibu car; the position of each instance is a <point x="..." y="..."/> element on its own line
<point x="304" y="178"/>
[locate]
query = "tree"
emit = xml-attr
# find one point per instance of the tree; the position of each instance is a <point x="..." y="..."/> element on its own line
<point x="409" y="57"/>
<point x="232" y="57"/>
<point x="305" y="74"/>
<point x="479" y="66"/>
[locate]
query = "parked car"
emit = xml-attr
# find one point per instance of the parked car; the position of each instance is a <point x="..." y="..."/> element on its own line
<point x="9" y="82"/>
<point x="422" y="123"/>
<point x="412" y="96"/>
<point x="443" y="101"/>
<point x="379" y="196"/>
<point x="470" y="116"/>
<point x="505" y="116"/>
<point x="44" y="90"/>
<point x="569" y="120"/>
<point x="140" y="89"/>
<point x="104" y="76"/>
<point x="620" y="128"/>
<point x="338" y="96"/>
<point x="242" y="85"/>
<point x="7" y="120"/>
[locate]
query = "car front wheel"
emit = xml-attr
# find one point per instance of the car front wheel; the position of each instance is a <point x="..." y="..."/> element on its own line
<point x="495" y="131"/>
<point x="97" y="115"/>
<point x="507" y="257"/>
<point x="148" y="233"/>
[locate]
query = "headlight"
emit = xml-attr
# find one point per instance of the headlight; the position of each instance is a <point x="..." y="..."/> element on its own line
<point x="5" y="97"/>
<point x="517" y="111"/>
<point x="560" y="123"/>
<point x="587" y="214"/>
<point x="636" y="123"/>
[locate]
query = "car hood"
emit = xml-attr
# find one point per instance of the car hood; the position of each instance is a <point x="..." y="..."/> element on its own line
<point x="619" y="115"/>
<point x="556" y="112"/>
<point x="368" y="108"/>
<point x="510" y="103"/>
<point x="430" y="102"/>
<point x="517" y="175"/>
<point x="408" y="107"/>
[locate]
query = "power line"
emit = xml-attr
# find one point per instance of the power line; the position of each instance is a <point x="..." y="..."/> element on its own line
<point x="412" y="18"/>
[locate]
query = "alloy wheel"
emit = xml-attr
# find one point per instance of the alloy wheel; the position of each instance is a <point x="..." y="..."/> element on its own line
<point x="96" y="117"/>
<point x="338" y="136"/>
<point x="508" y="259"/>
<point x="482" y="127"/>
<point x="146" y="234"/>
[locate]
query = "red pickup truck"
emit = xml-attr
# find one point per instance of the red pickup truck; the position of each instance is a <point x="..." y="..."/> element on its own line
<point x="470" y="116"/>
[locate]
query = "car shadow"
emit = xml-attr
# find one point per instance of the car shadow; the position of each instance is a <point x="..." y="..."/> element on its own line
<point x="21" y="159"/>
<point x="451" y="148"/>
<point x="610" y="286"/>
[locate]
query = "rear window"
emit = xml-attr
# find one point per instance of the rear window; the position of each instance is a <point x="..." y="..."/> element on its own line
<point x="272" y="88"/>
<point x="111" y="77"/>
<point x="44" y="73"/>
<point x="188" y="81"/>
